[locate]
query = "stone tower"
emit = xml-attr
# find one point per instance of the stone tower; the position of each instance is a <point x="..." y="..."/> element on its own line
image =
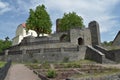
<point x="95" y="33"/>
<point x="57" y="25"/>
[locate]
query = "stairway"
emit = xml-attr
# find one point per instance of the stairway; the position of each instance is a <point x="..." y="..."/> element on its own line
<point x="104" y="51"/>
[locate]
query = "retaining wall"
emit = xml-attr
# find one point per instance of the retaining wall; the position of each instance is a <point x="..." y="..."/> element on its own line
<point x="115" y="55"/>
<point x="47" y="54"/>
<point x="108" y="54"/>
<point x="4" y="70"/>
<point x="95" y="55"/>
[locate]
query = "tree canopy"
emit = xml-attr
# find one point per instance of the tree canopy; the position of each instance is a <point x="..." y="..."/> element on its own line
<point x="70" y="20"/>
<point x="107" y="43"/>
<point x="39" y="20"/>
<point x="4" y="44"/>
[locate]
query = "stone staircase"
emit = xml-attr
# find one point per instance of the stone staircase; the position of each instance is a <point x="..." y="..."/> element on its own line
<point x="104" y="51"/>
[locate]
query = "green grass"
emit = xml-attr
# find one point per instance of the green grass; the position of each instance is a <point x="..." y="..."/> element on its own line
<point x="51" y="73"/>
<point x="82" y="62"/>
<point x="2" y="63"/>
<point x="110" y="71"/>
<point x="70" y="64"/>
<point x="38" y="65"/>
<point x="76" y="64"/>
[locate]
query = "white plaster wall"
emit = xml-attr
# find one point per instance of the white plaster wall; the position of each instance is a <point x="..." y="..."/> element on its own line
<point x="17" y="40"/>
<point x="31" y="33"/>
<point x="21" y="33"/>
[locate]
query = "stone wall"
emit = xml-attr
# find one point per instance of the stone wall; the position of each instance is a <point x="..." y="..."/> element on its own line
<point x="77" y="33"/>
<point x="95" y="55"/>
<point x="4" y="70"/>
<point x="115" y="55"/>
<point x="108" y="54"/>
<point x="95" y="33"/>
<point x="47" y="54"/>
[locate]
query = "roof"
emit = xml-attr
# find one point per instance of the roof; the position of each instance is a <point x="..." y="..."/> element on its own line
<point x="116" y="36"/>
<point x="23" y="25"/>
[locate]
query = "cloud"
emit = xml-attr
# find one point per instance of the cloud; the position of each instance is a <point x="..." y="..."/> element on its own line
<point x="99" y="10"/>
<point x="4" y="7"/>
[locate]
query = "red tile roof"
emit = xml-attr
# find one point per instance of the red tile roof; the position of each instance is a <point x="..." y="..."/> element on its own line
<point x="24" y="25"/>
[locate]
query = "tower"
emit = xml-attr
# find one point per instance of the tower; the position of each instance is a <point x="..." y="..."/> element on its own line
<point x="58" y="25"/>
<point x="95" y="33"/>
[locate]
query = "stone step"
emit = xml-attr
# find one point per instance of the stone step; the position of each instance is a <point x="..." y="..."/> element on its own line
<point x="104" y="51"/>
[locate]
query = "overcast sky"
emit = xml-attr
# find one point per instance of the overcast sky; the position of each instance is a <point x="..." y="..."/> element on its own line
<point x="105" y="12"/>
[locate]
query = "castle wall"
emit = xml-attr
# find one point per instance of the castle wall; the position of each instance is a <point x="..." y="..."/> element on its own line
<point x="87" y="37"/>
<point x="115" y="55"/>
<point x="47" y="45"/>
<point x="94" y="54"/>
<point x="77" y="33"/>
<point x="95" y="33"/>
<point x="48" y="54"/>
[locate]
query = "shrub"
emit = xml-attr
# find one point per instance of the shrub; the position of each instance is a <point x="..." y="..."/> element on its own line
<point x="51" y="73"/>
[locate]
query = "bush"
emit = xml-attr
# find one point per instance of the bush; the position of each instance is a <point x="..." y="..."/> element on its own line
<point x="51" y="74"/>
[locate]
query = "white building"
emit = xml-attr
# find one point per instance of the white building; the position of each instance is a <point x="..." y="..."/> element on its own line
<point x="21" y="33"/>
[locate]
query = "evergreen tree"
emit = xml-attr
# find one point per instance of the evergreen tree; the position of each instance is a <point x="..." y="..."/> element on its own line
<point x="70" y="20"/>
<point x="39" y="20"/>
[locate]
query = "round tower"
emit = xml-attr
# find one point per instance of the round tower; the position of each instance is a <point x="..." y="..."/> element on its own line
<point x="95" y="32"/>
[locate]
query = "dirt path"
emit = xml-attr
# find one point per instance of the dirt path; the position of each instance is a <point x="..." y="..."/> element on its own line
<point x="111" y="65"/>
<point x="20" y="72"/>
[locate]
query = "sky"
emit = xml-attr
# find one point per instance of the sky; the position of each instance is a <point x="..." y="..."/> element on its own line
<point x="105" y="12"/>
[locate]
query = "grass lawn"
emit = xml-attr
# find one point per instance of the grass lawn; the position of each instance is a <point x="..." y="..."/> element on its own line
<point x="2" y="63"/>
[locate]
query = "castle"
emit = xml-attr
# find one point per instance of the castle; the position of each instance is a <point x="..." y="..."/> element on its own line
<point x="73" y="45"/>
<point x="84" y="36"/>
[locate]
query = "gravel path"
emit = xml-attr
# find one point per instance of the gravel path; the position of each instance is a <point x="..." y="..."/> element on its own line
<point x="20" y="72"/>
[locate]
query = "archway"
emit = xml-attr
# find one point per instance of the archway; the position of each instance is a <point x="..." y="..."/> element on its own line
<point x="80" y="41"/>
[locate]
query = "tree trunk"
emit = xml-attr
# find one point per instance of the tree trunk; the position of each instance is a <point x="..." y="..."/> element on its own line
<point x="38" y="34"/>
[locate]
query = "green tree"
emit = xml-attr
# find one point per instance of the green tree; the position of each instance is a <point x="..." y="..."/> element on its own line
<point x="106" y="43"/>
<point x="39" y="20"/>
<point x="4" y="44"/>
<point x="70" y="20"/>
